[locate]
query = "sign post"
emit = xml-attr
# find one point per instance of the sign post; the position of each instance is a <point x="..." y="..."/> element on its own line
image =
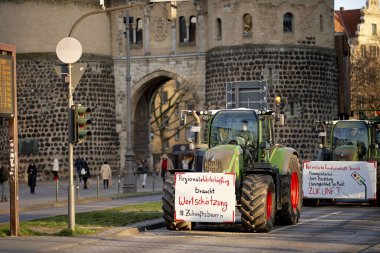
<point x="205" y="197"/>
<point x="8" y="109"/>
<point x="69" y="50"/>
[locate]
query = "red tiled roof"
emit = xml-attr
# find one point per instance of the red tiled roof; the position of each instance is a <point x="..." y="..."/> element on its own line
<point x="347" y="21"/>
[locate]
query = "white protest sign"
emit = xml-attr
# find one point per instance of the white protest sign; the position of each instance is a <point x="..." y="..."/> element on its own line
<point x="339" y="180"/>
<point x="205" y="197"/>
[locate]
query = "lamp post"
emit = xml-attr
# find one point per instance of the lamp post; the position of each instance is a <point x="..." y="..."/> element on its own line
<point x="129" y="182"/>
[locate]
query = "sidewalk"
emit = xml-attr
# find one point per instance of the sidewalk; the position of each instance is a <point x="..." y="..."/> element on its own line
<point x="50" y="194"/>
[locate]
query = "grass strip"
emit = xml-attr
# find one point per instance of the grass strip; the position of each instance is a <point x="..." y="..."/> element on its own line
<point x="88" y="223"/>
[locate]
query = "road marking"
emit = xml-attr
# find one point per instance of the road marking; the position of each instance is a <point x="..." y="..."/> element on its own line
<point x="307" y="221"/>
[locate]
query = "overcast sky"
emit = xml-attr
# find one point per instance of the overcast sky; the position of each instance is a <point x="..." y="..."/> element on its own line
<point x="349" y="4"/>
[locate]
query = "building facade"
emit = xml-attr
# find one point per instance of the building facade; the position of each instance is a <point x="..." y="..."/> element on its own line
<point x="362" y="28"/>
<point x="290" y="44"/>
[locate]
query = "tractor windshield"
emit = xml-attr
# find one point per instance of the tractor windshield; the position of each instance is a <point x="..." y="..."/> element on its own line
<point x="351" y="133"/>
<point x="233" y="127"/>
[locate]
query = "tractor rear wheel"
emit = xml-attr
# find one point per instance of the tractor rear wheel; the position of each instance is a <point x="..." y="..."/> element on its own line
<point x="291" y="194"/>
<point x="258" y="203"/>
<point x="168" y="207"/>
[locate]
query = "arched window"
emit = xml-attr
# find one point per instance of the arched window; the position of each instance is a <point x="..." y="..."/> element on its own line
<point x="218" y="28"/>
<point x="182" y="29"/>
<point x="192" y="29"/>
<point x="247" y="23"/>
<point x="288" y="22"/>
<point x="139" y="34"/>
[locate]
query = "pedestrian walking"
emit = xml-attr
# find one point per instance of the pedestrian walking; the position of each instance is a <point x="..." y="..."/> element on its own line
<point x="32" y="177"/>
<point x="85" y="174"/>
<point x="4" y="176"/>
<point x="143" y="170"/>
<point x="78" y="166"/>
<point x="55" y="168"/>
<point x="163" y="165"/>
<point x="106" y="173"/>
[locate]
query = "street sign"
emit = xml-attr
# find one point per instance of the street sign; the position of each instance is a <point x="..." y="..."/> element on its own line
<point x="69" y="50"/>
<point x="77" y="71"/>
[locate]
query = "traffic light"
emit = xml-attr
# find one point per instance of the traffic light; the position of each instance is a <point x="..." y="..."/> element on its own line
<point x="79" y="122"/>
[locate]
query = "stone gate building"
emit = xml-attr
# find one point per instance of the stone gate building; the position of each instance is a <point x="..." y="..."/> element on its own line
<point x="290" y="44"/>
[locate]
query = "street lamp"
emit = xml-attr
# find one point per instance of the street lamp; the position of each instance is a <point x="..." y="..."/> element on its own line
<point x="129" y="181"/>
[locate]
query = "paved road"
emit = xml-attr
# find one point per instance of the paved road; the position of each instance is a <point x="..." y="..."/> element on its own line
<point x="341" y="228"/>
<point x="321" y="229"/>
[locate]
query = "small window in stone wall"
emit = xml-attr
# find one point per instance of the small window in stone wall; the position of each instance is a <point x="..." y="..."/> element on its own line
<point x="28" y="146"/>
<point x="192" y="29"/>
<point x="139" y="31"/>
<point x="182" y="29"/>
<point x="247" y="24"/>
<point x="218" y="29"/>
<point x="321" y="23"/>
<point x="288" y="22"/>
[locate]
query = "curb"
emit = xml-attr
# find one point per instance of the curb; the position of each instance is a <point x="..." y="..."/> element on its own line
<point x="135" y="228"/>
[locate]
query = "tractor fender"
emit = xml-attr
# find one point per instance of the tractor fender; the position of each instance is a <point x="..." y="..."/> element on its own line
<point x="280" y="158"/>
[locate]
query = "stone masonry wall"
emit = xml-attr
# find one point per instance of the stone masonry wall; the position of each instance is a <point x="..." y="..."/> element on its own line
<point x="42" y="113"/>
<point x="306" y="78"/>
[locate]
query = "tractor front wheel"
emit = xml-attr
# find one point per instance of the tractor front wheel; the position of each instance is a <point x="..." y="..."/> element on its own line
<point x="258" y="203"/>
<point x="168" y="207"/>
<point x="291" y="194"/>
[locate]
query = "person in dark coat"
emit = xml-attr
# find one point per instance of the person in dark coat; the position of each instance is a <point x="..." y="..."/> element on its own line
<point x="78" y="164"/>
<point x="143" y="170"/>
<point x="85" y="174"/>
<point x="32" y="177"/>
<point x="4" y="175"/>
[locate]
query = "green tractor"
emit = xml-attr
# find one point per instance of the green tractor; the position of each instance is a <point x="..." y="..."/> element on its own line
<point x="268" y="187"/>
<point x="346" y="141"/>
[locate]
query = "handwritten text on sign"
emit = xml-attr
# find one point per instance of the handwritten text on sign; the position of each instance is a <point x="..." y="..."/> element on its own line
<point x="205" y="197"/>
<point x="339" y="180"/>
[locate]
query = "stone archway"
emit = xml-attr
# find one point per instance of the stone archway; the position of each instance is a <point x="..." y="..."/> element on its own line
<point x="143" y="92"/>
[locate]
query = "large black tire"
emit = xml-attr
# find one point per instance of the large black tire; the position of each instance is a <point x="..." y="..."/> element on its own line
<point x="168" y="207"/>
<point x="291" y="194"/>
<point x="258" y="203"/>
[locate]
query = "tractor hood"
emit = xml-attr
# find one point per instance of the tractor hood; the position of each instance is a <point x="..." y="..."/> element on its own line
<point x="223" y="158"/>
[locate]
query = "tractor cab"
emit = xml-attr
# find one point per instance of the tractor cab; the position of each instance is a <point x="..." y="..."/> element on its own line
<point x="350" y="140"/>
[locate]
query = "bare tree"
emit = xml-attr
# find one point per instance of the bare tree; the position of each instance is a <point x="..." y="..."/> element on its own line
<point x="165" y="111"/>
<point x="365" y="82"/>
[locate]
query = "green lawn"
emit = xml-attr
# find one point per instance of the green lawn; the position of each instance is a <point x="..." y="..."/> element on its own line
<point x="89" y="223"/>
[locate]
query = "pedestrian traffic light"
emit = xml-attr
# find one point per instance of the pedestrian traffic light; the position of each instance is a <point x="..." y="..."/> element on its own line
<point x="79" y="122"/>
